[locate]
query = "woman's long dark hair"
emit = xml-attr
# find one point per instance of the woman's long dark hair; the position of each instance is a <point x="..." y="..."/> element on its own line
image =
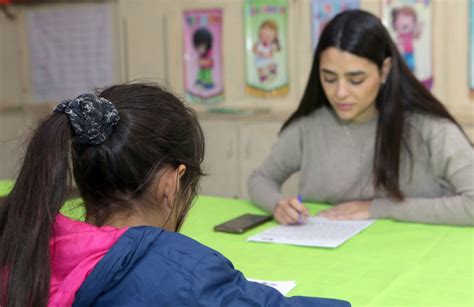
<point x="156" y="131"/>
<point x="362" y="34"/>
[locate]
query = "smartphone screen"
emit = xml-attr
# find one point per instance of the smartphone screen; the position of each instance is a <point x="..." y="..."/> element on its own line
<point x="242" y="223"/>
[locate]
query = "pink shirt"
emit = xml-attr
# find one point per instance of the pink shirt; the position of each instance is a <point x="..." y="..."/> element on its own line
<point x="76" y="248"/>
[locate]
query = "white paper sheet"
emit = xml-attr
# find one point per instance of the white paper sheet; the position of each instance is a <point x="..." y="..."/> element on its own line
<point x="317" y="231"/>
<point x="71" y="50"/>
<point x="282" y="286"/>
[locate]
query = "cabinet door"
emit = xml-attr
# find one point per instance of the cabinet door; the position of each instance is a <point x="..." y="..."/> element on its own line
<point x="256" y="140"/>
<point x="221" y="161"/>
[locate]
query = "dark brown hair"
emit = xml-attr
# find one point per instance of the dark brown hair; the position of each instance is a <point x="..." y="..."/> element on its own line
<point x="156" y="131"/>
<point x="363" y="35"/>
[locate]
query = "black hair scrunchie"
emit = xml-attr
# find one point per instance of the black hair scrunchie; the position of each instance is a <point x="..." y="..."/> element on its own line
<point x="92" y="118"/>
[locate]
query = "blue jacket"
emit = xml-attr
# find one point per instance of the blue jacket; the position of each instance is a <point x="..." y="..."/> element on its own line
<point x="148" y="266"/>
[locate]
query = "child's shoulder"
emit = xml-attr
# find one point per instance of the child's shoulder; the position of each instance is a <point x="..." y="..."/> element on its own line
<point x="183" y="244"/>
<point x="149" y="264"/>
<point x="174" y="247"/>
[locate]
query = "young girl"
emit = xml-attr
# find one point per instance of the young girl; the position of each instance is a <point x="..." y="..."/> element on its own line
<point x="136" y="153"/>
<point x="368" y="138"/>
<point x="264" y="50"/>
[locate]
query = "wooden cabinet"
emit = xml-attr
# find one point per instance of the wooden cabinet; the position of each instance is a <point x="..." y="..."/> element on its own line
<point x="256" y="141"/>
<point x="234" y="149"/>
<point x="221" y="161"/>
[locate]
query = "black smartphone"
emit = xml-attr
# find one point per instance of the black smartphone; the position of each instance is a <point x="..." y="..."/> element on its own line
<point x="242" y="223"/>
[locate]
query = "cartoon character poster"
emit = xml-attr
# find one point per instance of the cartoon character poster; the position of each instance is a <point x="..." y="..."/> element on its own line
<point x="203" y="56"/>
<point x="325" y="10"/>
<point x="266" y="49"/>
<point x="409" y="24"/>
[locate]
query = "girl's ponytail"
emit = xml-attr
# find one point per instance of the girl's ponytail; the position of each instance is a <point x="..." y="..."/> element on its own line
<point x="27" y="215"/>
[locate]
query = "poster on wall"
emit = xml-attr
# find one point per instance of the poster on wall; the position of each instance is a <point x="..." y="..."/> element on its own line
<point x="409" y="24"/>
<point x="203" y="75"/>
<point x="266" y="48"/>
<point x="324" y="10"/>
<point x="471" y="45"/>
<point x="60" y="66"/>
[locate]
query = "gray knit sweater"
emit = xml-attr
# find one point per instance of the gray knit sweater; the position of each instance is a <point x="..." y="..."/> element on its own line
<point x="335" y="159"/>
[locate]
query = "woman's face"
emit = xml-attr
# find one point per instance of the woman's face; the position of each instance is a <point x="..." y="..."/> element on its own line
<point x="351" y="83"/>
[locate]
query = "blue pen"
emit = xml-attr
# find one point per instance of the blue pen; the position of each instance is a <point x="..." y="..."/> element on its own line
<point x="300" y="218"/>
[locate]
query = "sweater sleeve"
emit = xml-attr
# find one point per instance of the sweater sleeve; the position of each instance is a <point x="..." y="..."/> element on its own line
<point x="452" y="161"/>
<point x="264" y="184"/>
<point x="215" y="282"/>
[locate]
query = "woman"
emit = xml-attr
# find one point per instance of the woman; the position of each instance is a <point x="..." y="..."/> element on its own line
<point x="368" y="138"/>
<point x="136" y="153"/>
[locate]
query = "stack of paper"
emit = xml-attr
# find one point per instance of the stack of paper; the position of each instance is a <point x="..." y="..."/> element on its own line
<point x="317" y="231"/>
<point x="282" y="286"/>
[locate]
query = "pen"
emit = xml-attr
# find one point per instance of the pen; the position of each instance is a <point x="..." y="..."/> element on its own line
<point x="300" y="218"/>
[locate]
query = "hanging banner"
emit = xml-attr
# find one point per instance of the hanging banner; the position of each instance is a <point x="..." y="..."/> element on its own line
<point x="203" y="81"/>
<point x="266" y="47"/>
<point x="409" y="24"/>
<point x="325" y="10"/>
<point x="60" y="65"/>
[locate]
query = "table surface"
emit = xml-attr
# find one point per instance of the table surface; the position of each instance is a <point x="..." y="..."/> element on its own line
<point x="388" y="264"/>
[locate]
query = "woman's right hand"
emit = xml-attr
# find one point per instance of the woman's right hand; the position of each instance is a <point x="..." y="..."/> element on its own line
<point x="290" y="211"/>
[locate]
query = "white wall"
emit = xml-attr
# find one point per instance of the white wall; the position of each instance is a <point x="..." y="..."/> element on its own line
<point x="149" y="45"/>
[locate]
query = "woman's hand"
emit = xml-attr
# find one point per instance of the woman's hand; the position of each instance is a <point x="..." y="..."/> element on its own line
<point x="290" y="211"/>
<point x="353" y="210"/>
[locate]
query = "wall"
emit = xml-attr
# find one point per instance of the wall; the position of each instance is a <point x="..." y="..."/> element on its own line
<point x="450" y="51"/>
<point x="15" y="84"/>
<point x="11" y="72"/>
<point x="148" y="46"/>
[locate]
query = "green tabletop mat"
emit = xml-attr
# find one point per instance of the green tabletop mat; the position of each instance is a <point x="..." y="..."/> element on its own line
<point x="72" y="208"/>
<point x="5" y="187"/>
<point x="388" y="264"/>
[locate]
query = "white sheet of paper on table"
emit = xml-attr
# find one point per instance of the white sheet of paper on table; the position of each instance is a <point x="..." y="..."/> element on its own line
<point x="282" y="286"/>
<point x="317" y="231"/>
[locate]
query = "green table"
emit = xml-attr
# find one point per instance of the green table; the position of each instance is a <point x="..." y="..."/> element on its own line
<point x="5" y="187"/>
<point x="388" y="264"/>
